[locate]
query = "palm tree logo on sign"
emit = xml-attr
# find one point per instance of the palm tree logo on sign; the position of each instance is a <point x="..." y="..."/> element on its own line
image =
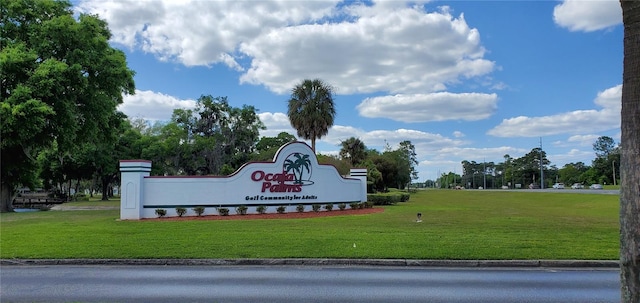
<point x="301" y="167"/>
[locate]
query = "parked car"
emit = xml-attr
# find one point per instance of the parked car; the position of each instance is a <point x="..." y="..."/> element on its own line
<point x="595" y="186"/>
<point x="577" y="186"/>
<point x="558" y="186"/>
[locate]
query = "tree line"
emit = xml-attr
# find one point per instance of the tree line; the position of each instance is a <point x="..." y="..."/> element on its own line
<point x="214" y="138"/>
<point x="534" y="170"/>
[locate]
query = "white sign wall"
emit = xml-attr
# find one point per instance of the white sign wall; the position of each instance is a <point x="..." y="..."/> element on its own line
<point x="294" y="177"/>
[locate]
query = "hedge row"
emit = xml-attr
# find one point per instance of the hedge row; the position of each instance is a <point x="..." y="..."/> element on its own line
<point x="388" y="198"/>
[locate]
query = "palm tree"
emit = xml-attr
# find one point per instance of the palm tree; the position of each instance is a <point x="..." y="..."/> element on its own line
<point x="354" y="150"/>
<point x="629" y="160"/>
<point x="311" y="110"/>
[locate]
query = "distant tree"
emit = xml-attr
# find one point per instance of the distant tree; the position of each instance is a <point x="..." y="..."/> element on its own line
<point x="353" y="150"/>
<point x="395" y="173"/>
<point x="630" y="156"/>
<point x="481" y="174"/>
<point x="508" y="170"/>
<point x="60" y="82"/>
<point x="374" y="176"/>
<point x="342" y="166"/>
<point x="119" y="142"/>
<point x="573" y="173"/>
<point x="58" y="171"/>
<point x="607" y="161"/>
<point x="200" y="141"/>
<point x="590" y="176"/>
<point x="449" y="180"/>
<point x="267" y="147"/>
<point x="604" y="146"/>
<point x="408" y="150"/>
<point x="528" y="166"/>
<point x="141" y="125"/>
<point x="311" y="110"/>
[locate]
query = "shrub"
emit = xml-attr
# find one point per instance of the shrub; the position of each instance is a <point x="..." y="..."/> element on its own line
<point x="404" y="197"/>
<point x="241" y="210"/>
<point x="223" y="211"/>
<point x="261" y="209"/>
<point x="80" y="197"/>
<point x="300" y="208"/>
<point x="387" y="199"/>
<point x="328" y="207"/>
<point x="354" y="205"/>
<point x="316" y="207"/>
<point x="181" y="211"/>
<point x="161" y="212"/>
<point x="199" y="210"/>
<point x="281" y="209"/>
<point x="368" y="204"/>
<point x="342" y="206"/>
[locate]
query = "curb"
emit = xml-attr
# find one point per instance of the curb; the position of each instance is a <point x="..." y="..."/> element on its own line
<point x="323" y="262"/>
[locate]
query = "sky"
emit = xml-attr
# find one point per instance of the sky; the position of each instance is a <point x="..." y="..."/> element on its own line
<point x="461" y="80"/>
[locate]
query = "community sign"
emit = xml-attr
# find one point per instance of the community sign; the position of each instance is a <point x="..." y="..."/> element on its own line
<point x="294" y="177"/>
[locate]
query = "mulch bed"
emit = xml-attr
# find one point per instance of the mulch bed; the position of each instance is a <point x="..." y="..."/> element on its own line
<point x="289" y="215"/>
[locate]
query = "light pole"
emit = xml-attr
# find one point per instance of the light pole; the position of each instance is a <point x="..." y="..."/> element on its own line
<point x="484" y="174"/>
<point x="614" y="171"/>
<point x="541" y="171"/>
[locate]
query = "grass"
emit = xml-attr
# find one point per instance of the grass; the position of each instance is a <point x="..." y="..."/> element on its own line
<point x="456" y="225"/>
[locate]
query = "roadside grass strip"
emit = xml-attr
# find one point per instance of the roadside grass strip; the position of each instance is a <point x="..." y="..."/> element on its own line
<point x="456" y="225"/>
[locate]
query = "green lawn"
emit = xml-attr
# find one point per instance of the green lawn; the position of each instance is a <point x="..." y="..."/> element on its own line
<point x="463" y="224"/>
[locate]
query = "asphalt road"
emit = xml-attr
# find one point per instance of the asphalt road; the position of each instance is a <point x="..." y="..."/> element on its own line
<point x="283" y="284"/>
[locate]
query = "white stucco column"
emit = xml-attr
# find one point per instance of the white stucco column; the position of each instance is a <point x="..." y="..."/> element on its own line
<point x="360" y="173"/>
<point x="132" y="173"/>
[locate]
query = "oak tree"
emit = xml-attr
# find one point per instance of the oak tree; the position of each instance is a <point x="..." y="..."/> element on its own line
<point x="60" y="82"/>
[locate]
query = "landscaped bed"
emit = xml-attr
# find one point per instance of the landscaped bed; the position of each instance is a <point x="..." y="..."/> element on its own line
<point x="266" y="216"/>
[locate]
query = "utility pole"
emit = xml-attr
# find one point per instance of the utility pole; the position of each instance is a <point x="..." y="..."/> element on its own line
<point x="541" y="171"/>
<point x="614" y="171"/>
<point x="484" y="173"/>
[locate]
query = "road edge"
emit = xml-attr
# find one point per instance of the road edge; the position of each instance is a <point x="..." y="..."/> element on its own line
<point x="320" y="262"/>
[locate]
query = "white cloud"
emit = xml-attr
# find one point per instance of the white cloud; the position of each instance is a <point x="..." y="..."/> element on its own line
<point x="275" y="123"/>
<point x="610" y="98"/>
<point x="199" y="32"/>
<point x="387" y="46"/>
<point x="575" y="122"/>
<point x="379" y="138"/>
<point x="418" y="138"/>
<point x="152" y="106"/>
<point x="572" y="156"/>
<point x="580" y="140"/>
<point x="426" y="142"/>
<point x="440" y="106"/>
<point x="495" y="154"/>
<point x="581" y="15"/>
<point x="403" y="49"/>
<point x="339" y="133"/>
